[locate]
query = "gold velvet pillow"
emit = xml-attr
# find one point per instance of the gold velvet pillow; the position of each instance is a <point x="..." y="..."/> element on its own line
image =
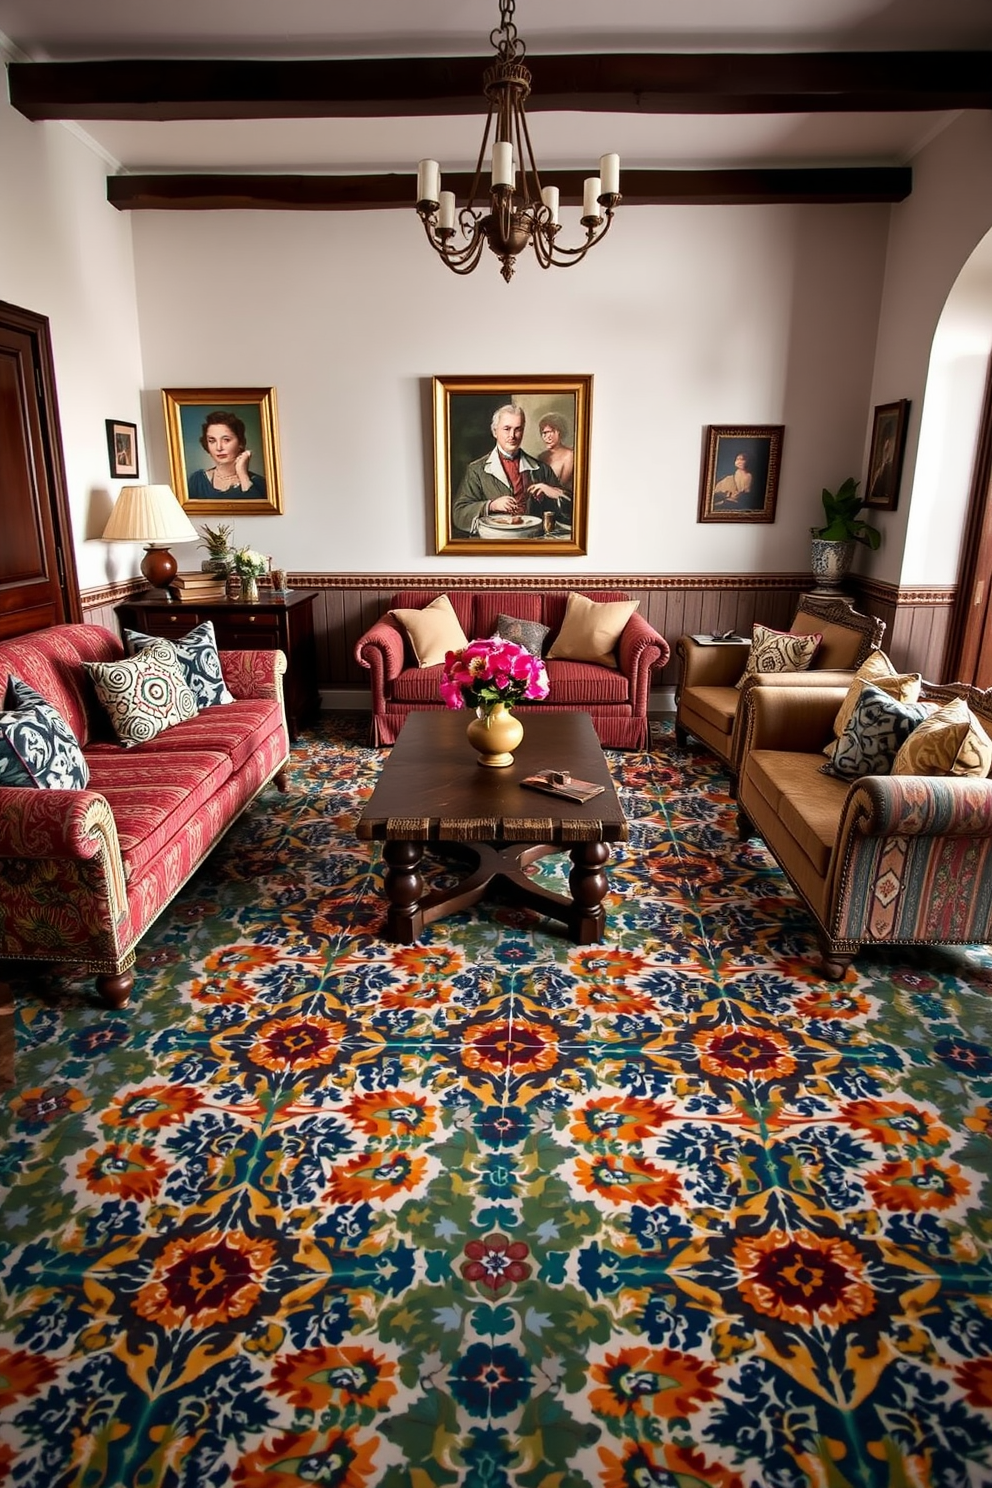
<point x="432" y="631"/>
<point x="879" y="671"/>
<point x="591" y="629"/>
<point x="949" y="742"/>
<point x="778" y="651"/>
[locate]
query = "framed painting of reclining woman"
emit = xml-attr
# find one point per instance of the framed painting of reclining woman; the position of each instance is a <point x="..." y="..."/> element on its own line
<point x="511" y="464"/>
<point x="224" y="450"/>
<point x="739" y="479"/>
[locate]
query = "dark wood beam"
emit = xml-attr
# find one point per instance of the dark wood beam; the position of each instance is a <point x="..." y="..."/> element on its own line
<point x="648" y="83"/>
<point x="215" y="193"/>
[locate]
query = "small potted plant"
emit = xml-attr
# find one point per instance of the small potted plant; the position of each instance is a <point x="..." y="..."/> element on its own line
<point x="217" y="541"/>
<point x="835" y="543"/>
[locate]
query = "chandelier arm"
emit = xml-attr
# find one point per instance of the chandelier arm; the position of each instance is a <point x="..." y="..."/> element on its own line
<point x="454" y="257"/>
<point x="476" y="188"/>
<point x="523" y="130"/>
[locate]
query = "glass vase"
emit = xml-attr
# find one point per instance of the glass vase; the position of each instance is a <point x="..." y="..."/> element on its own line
<point x="495" y="735"/>
<point x="249" y="589"/>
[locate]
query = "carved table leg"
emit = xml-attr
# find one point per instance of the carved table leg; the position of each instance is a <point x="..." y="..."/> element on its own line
<point x="404" y="887"/>
<point x="588" y="883"/>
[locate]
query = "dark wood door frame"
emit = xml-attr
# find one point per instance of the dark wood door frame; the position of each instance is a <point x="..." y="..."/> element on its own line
<point x="970" y="635"/>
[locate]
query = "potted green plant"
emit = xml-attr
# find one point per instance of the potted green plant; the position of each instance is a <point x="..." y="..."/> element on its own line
<point x="835" y="543"/>
<point x="217" y="541"/>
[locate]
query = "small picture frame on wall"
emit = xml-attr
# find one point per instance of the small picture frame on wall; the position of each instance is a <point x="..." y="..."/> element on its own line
<point x="122" y="449"/>
<point x="224" y="450"/>
<point x="532" y="502"/>
<point x="888" y="444"/>
<point x="740" y="467"/>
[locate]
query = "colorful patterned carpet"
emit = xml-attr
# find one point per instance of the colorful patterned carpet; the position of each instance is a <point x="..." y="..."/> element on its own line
<point x="496" y="1210"/>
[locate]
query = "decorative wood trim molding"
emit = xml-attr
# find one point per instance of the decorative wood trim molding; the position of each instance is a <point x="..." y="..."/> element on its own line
<point x="935" y="596"/>
<point x="109" y="594"/>
<point x="728" y="582"/>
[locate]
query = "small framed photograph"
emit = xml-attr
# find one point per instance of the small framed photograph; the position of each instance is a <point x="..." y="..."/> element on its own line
<point x="511" y="464"/>
<point x="888" y="443"/>
<point x="739" y="481"/>
<point x="224" y="450"/>
<point x="122" y="449"/>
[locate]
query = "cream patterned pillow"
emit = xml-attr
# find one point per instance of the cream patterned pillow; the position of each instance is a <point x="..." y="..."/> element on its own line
<point x="591" y="629"/>
<point x="949" y="742"/>
<point x="779" y="651"/>
<point x="143" y="694"/>
<point x="432" y="631"/>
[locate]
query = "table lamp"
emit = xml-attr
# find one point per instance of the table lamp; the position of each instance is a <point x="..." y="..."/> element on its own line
<point x="151" y="515"/>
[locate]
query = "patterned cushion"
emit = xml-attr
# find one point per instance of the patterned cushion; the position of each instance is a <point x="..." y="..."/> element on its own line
<point x="879" y="726"/>
<point x="433" y="631"/>
<point x="527" y="633"/>
<point x="144" y="694"/>
<point x="779" y="651"/>
<point x="37" y="746"/>
<point x="591" y="629"/>
<point x="904" y="687"/>
<point x="196" y="653"/>
<point x="949" y="742"/>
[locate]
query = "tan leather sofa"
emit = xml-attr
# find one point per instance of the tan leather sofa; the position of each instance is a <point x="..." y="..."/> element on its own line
<point x="707" y="699"/>
<point x="883" y="859"/>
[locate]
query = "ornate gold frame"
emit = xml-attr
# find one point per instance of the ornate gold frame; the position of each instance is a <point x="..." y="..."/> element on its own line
<point x="185" y="409"/>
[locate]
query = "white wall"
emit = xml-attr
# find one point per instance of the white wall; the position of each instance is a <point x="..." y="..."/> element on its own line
<point x="684" y="317"/>
<point x="65" y="253"/>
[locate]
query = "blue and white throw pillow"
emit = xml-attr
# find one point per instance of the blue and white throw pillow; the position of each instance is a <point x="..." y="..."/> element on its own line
<point x="877" y="729"/>
<point x="196" y="653"/>
<point x="37" y="747"/>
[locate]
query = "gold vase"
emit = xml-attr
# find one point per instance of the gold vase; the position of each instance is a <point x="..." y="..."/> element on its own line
<point x="495" y="735"/>
<point x="249" y="590"/>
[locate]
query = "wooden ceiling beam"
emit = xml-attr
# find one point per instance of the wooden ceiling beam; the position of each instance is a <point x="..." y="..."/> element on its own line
<point x="643" y="83"/>
<point x="295" y="193"/>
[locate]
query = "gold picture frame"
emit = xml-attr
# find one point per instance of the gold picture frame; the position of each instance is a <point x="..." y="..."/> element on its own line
<point x="739" y="475"/>
<point x="250" y="414"/>
<point x="478" y="509"/>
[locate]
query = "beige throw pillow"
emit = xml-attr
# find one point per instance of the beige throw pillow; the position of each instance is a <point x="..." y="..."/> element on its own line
<point x="778" y="651"/>
<point x="879" y="671"/>
<point x="949" y="742"/>
<point x="433" y="630"/>
<point x="591" y="629"/>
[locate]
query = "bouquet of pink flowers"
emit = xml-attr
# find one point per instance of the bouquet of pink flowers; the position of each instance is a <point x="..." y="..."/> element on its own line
<point x="485" y="673"/>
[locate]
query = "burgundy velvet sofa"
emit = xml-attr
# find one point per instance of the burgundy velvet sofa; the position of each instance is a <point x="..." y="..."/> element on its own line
<point x="616" y="700"/>
<point x="83" y="873"/>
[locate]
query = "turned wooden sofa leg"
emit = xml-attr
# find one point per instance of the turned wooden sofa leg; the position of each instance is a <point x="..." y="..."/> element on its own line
<point x="745" y="826"/>
<point x="681" y="737"/>
<point x="835" y="964"/>
<point x="281" y="780"/>
<point x="115" y="990"/>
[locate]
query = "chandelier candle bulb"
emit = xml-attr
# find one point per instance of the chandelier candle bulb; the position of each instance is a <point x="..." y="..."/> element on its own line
<point x="503" y="172"/>
<point x="609" y="170"/>
<point x="428" y="181"/>
<point x="591" y="192"/>
<point x="551" y="196"/>
<point x="446" y="212"/>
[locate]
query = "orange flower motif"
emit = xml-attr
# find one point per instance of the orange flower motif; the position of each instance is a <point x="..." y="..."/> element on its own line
<point x="803" y="1278"/>
<point x="613" y="997"/>
<point x="735" y="1053"/>
<point x="975" y="1379"/>
<point x="22" y="1374"/>
<point x="833" y="1002"/>
<point x="644" y="1462"/>
<point x="922" y="1183"/>
<point x="417" y="961"/>
<point x="522" y="1048"/>
<point x="628" y="1180"/>
<point x="217" y="990"/>
<point x="599" y="964"/>
<point x="206" y="1279"/>
<point x="46" y="1103"/>
<point x="392" y="1115"/>
<point x="651" y="1382"/>
<point x="238" y="959"/>
<point x="496" y="1262"/>
<point x="895" y="1123"/>
<point x="130" y="1171"/>
<point x="619" y="1118"/>
<point x="297" y="1043"/>
<point x="296" y="1461"/>
<point x="153" y="1107"/>
<point x="372" y="1176"/>
<point x="980" y="1120"/>
<point x="417" y="994"/>
<point x="316" y="1378"/>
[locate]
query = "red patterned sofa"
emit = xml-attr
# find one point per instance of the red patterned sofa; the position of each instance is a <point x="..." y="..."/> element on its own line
<point x="83" y="873"/>
<point x="617" y="700"/>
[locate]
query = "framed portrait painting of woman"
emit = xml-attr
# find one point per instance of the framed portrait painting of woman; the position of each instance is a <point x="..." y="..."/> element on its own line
<point x="224" y="450"/>
<point x="739" y="481"/>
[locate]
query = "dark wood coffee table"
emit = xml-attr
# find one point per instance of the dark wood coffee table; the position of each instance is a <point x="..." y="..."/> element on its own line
<point x="433" y="790"/>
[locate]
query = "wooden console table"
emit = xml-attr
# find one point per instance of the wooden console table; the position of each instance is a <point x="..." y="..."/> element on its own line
<point x="270" y="624"/>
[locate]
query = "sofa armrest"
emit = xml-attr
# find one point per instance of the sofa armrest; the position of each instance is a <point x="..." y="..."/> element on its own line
<point x="798" y="719"/>
<point x="253" y="674"/>
<point x="382" y="652"/>
<point x="641" y="650"/>
<point x="708" y="666"/>
<point x="63" y="826"/>
<point x="920" y="806"/>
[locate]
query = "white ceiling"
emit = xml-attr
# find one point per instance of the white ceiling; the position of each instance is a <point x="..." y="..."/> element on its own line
<point x="63" y="30"/>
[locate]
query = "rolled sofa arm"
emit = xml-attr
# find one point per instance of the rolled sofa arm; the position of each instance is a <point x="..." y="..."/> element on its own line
<point x="253" y="674"/>
<point x="381" y="651"/>
<point x="708" y="666"/>
<point x="641" y="650"/>
<point x="798" y="719"/>
<point x="919" y="806"/>
<point x="62" y="826"/>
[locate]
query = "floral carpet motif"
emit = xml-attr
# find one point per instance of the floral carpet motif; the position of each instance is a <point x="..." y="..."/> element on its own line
<point x="496" y="1210"/>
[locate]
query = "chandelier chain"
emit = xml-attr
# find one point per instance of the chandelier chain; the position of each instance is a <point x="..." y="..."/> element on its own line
<point x="503" y="38"/>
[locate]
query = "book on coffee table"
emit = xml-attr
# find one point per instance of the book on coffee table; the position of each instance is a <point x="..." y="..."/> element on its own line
<point x="561" y="783"/>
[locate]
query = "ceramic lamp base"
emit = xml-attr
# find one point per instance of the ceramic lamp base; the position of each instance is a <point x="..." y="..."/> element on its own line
<point x="159" y="567"/>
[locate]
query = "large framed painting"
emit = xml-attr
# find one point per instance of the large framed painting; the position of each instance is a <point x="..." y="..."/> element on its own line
<point x="888" y="444"/>
<point x="224" y="450"/>
<point x="739" y="480"/>
<point x="511" y="464"/>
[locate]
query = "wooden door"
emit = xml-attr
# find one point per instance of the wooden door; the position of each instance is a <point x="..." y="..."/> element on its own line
<point x="38" y="584"/>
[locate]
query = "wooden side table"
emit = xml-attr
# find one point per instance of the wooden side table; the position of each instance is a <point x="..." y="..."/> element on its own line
<point x="283" y="623"/>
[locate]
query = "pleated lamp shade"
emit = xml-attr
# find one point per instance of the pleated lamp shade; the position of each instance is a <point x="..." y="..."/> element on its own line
<point x="151" y="515"/>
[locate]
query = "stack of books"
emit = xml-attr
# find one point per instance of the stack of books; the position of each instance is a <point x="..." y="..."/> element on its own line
<point x="198" y="585"/>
